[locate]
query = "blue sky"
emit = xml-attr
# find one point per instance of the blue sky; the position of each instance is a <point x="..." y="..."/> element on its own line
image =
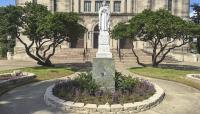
<point x="7" y="2"/>
<point x="12" y="2"/>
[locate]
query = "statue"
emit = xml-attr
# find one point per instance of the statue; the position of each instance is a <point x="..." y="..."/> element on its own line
<point x="104" y="37"/>
<point x="104" y="17"/>
<point x="103" y="66"/>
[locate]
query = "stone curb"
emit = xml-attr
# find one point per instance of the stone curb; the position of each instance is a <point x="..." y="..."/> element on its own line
<point x="193" y="77"/>
<point x="10" y="83"/>
<point x="127" y="108"/>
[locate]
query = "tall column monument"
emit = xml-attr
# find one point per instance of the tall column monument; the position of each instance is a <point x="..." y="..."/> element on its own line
<point x="103" y="65"/>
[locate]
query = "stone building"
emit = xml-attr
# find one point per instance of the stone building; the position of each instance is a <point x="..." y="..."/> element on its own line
<point x="121" y="11"/>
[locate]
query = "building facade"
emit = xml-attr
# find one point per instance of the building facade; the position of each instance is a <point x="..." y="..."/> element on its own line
<point x="121" y="11"/>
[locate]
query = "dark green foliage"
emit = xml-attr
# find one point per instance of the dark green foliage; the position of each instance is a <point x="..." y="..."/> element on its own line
<point x="120" y="31"/>
<point x="160" y="29"/>
<point x="196" y="19"/>
<point x="83" y="84"/>
<point x="84" y="89"/>
<point x="86" y="82"/>
<point x="9" y="21"/>
<point x="44" y="30"/>
<point x="3" y="51"/>
<point x="124" y="83"/>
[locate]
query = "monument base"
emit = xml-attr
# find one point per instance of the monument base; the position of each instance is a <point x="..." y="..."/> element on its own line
<point x="104" y="47"/>
<point x="103" y="55"/>
<point x="103" y="71"/>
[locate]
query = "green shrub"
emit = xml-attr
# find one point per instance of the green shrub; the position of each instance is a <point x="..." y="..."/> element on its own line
<point x="3" y="51"/>
<point x="87" y="83"/>
<point x="84" y="89"/>
<point x="125" y="83"/>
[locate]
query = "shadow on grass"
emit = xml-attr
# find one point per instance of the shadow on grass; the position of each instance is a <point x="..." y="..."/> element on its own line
<point x="179" y="67"/>
<point x="172" y="66"/>
<point x="68" y="66"/>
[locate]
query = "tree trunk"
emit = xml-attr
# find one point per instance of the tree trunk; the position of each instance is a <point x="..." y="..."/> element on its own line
<point x="154" y="64"/>
<point x="154" y="57"/>
<point x="45" y="63"/>
<point x="137" y="58"/>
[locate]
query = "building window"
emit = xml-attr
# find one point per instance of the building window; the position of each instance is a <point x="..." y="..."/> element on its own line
<point x="98" y="4"/>
<point x="170" y="5"/>
<point x="87" y="6"/>
<point x="117" y="6"/>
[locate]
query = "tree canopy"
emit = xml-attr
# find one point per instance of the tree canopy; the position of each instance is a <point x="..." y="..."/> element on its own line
<point x="44" y="30"/>
<point x="196" y="19"/>
<point x="160" y="29"/>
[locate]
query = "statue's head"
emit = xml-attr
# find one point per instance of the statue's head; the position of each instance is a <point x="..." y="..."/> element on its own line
<point x="104" y="3"/>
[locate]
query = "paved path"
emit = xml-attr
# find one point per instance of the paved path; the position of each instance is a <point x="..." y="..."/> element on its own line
<point x="179" y="99"/>
<point x="28" y="99"/>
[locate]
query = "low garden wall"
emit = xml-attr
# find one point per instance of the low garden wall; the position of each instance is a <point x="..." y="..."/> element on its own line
<point x="14" y="80"/>
<point x="194" y="76"/>
<point x="78" y="107"/>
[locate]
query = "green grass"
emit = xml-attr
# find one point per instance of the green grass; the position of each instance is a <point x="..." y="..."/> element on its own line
<point x="45" y="73"/>
<point x="42" y="73"/>
<point x="168" y="74"/>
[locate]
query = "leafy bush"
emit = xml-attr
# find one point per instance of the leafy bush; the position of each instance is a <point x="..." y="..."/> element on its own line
<point x="87" y="83"/>
<point x="82" y="84"/>
<point x="84" y="89"/>
<point x="124" y="83"/>
<point x="3" y="51"/>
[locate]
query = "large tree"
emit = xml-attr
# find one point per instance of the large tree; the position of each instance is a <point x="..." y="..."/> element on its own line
<point x="160" y="29"/>
<point x="8" y="21"/>
<point x="44" y="30"/>
<point x="196" y="19"/>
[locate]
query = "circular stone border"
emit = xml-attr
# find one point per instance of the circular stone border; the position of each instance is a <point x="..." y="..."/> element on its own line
<point x="193" y="77"/>
<point x="78" y="107"/>
<point x="8" y="84"/>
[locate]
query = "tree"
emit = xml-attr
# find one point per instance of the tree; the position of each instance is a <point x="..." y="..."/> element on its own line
<point x="53" y="30"/>
<point x="2" y="36"/>
<point x="160" y="29"/>
<point x="44" y="30"/>
<point x="196" y="19"/>
<point x="9" y="18"/>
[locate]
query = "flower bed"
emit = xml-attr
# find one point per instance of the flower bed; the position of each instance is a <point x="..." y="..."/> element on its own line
<point x="80" y="100"/>
<point x="11" y="80"/>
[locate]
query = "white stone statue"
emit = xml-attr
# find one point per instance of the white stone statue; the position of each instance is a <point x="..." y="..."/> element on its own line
<point x="104" y="37"/>
<point x="104" y="17"/>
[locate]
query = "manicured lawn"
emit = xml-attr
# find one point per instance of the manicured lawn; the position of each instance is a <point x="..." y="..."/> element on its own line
<point x="168" y="74"/>
<point x="45" y="73"/>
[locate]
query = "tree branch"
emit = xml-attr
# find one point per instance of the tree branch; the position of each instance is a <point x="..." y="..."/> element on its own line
<point x="164" y="55"/>
<point x="137" y="58"/>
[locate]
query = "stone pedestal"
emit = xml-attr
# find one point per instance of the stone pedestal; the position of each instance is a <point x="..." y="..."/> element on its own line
<point x="9" y="55"/>
<point x="104" y="47"/>
<point x="103" y="70"/>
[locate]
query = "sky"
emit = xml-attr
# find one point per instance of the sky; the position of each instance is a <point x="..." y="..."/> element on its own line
<point x="7" y="2"/>
<point x="12" y="2"/>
